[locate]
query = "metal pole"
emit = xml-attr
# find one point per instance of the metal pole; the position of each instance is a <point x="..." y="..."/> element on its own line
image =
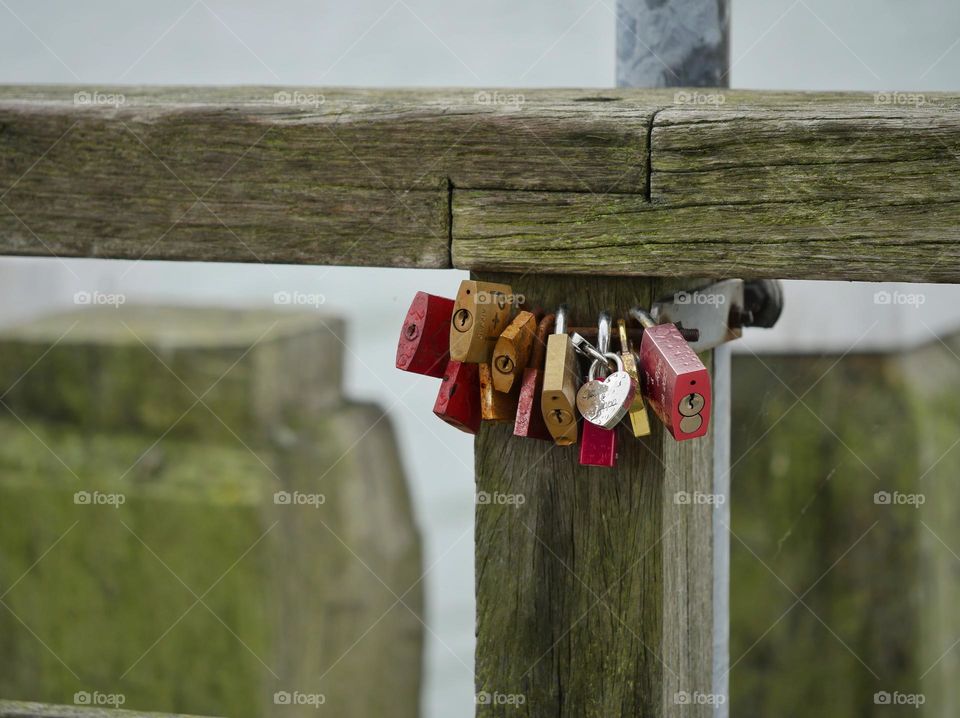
<point x="673" y="43"/>
<point x="686" y="43"/>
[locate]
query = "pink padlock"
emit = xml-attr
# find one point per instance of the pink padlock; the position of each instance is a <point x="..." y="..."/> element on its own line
<point x="598" y="446"/>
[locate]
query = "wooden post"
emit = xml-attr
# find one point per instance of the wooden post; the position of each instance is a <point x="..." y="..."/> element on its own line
<point x="594" y="591"/>
<point x="653" y="50"/>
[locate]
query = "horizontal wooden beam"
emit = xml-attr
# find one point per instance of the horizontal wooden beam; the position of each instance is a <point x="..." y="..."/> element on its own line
<point x="627" y="182"/>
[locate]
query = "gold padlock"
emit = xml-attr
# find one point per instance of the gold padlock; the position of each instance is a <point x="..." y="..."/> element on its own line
<point x="512" y="351"/>
<point x="495" y="405"/>
<point x="481" y="313"/>
<point x="561" y="379"/>
<point x="639" y="420"/>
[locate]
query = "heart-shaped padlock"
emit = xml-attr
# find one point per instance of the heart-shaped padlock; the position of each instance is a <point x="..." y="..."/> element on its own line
<point x="605" y="402"/>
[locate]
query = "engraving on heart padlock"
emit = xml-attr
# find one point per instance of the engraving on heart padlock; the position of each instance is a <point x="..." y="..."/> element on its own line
<point x="605" y="402"/>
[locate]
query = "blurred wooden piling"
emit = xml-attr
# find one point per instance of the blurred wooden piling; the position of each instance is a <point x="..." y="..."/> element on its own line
<point x="259" y="544"/>
<point x="845" y="497"/>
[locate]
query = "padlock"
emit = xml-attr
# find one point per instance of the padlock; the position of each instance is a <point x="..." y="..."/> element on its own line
<point x="458" y="401"/>
<point x="481" y="313"/>
<point x="558" y="402"/>
<point x="604" y="402"/>
<point x="675" y="381"/>
<point x="529" y="423"/>
<point x="512" y="351"/>
<point x="425" y="338"/>
<point x="598" y="445"/>
<point x="495" y="405"/>
<point x="639" y="421"/>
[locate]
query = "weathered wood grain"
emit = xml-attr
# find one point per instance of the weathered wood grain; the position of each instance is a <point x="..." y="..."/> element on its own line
<point x="594" y="593"/>
<point x="833" y="189"/>
<point x="17" y="709"/>
<point x="571" y="233"/>
<point x="731" y="156"/>
<point x="284" y="175"/>
<point x="671" y="182"/>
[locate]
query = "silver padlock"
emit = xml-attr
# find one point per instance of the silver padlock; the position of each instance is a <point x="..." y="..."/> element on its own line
<point x="606" y="402"/>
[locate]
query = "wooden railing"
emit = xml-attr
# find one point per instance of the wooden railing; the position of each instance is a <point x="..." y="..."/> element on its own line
<point x="628" y="182"/>
<point x="595" y="596"/>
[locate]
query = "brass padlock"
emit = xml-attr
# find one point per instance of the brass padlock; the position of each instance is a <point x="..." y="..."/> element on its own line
<point x="639" y="420"/>
<point x="481" y="313"/>
<point x="495" y="405"/>
<point x="561" y="379"/>
<point x="512" y="351"/>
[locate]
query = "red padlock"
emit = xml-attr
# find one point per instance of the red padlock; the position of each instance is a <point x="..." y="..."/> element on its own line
<point x="424" y="346"/>
<point x="530" y="423"/>
<point x="675" y="381"/>
<point x="598" y="446"/>
<point x="458" y="402"/>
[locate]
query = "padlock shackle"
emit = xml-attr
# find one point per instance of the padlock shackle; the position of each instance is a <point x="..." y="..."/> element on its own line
<point x="625" y="344"/>
<point x="604" y="329"/>
<point x="643" y="316"/>
<point x="582" y="346"/>
<point x="608" y="357"/>
<point x="634" y="333"/>
<point x="560" y="320"/>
